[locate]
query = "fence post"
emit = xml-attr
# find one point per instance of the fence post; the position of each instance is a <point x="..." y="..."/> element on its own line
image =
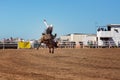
<point x="109" y="44"/>
<point x="3" y="45"/>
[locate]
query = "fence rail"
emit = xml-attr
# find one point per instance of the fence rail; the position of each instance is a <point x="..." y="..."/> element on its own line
<point x="104" y="44"/>
<point x="8" y="45"/>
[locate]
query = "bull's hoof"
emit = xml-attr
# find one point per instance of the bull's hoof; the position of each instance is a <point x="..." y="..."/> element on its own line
<point x="52" y="52"/>
<point x="49" y="51"/>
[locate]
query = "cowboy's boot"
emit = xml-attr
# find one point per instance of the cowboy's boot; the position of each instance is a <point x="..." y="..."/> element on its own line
<point x="53" y="36"/>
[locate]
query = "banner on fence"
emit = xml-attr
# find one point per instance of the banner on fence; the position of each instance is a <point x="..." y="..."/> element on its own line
<point x="23" y="45"/>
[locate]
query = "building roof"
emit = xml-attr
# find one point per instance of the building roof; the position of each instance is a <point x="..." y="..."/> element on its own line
<point x="113" y="25"/>
<point x="81" y="34"/>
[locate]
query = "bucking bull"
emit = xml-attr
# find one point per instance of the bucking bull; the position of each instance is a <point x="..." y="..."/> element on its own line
<point x="48" y="39"/>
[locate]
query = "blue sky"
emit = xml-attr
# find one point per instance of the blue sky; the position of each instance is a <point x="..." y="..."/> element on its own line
<point x="24" y="18"/>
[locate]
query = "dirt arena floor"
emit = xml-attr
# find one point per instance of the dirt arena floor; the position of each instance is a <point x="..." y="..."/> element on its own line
<point x="64" y="64"/>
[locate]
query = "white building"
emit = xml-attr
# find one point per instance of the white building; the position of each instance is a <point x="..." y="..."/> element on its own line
<point x="110" y="35"/>
<point x="79" y="37"/>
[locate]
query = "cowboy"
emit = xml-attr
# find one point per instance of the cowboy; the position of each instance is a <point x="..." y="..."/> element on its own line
<point x="49" y="29"/>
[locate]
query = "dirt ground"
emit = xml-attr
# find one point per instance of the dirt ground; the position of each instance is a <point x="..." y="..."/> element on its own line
<point x="64" y="64"/>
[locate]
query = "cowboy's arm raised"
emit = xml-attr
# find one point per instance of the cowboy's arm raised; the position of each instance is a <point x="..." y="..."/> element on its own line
<point x="46" y="23"/>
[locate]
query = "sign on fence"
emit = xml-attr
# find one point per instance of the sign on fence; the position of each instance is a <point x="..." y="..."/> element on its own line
<point x="22" y="45"/>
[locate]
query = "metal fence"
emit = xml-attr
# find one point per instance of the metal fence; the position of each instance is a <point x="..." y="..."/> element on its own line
<point x="104" y="44"/>
<point x="8" y="45"/>
<point x="67" y="44"/>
